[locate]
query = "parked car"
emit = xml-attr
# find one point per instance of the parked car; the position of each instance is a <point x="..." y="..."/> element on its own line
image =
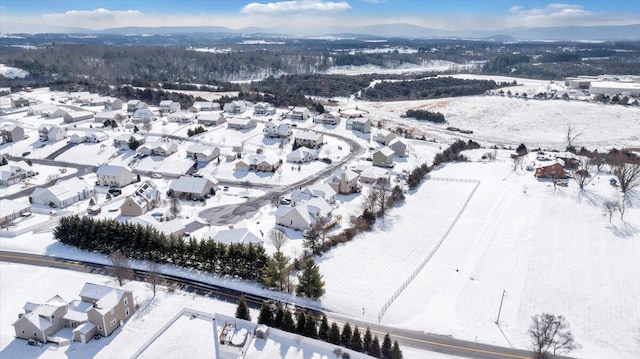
<point x="156" y="175"/>
<point x="326" y="160"/>
<point x="24" y="154"/>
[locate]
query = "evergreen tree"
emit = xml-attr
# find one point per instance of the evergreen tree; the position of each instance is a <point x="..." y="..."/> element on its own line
<point x="266" y="315"/>
<point x="323" y="332"/>
<point x="277" y="271"/>
<point x="366" y="341"/>
<point x="345" y="340"/>
<point x="310" y="329"/>
<point x="133" y="143"/>
<point x="356" y="340"/>
<point x="287" y="322"/>
<point x="310" y="283"/>
<point x="374" y="348"/>
<point x="334" y="334"/>
<point x="396" y="353"/>
<point x="277" y="320"/>
<point x="312" y="240"/>
<point x="300" y="323"/>
<point x="242" y="311"/>
<point x="386" y="347"/>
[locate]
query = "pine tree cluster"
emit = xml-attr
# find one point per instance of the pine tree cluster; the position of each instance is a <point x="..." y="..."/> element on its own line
<point x="196" y="131"/>
<point x="276" y="316"/>
<point x="147" y="243"/>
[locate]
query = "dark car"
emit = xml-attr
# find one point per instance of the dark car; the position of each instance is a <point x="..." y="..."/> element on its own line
<point x="24" y="154"/>
<point x="326" y="160"/>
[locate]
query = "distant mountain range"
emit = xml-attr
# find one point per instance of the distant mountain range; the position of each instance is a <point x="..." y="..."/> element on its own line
<point x="400" y="30"/>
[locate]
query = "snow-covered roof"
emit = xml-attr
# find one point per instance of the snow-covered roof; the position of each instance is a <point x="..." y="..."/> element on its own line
<point x="66" y="189"/>
<point x="236" y="235"/>
<point x="386" y="151"/>
<point x="109" y="170"/>
<point x="8" y="207"/>
<point x="199" y="148"/>
<point x="308" y="135"/>
<point x="188" y="184"/>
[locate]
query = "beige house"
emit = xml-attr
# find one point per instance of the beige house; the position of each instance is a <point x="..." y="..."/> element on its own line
<point x="304" y="215"/>
<point x="181" y="117"/>
<point x="399" y="147"/>
<point x="241" y="123"/>
<point x="344" y="181"/>
<point x="114" y="176"/>
<point x="298" y="114"/>
<point x="384" y="137"/>
<point x="202" y="153"/>
<point x="257" y="162"/>
<point x="75" y="116"/>
<point x="309" y="139"/>
<point x="100" y="310"/>
<point x="383" y="157"/>
<point x="145" y="198"/>
<point x="211" y="119"/>
<point x="158" y="149"/>
<point x="10" y="210"/>
<point x="328" y="118"/>
<point x="199" y="106"/>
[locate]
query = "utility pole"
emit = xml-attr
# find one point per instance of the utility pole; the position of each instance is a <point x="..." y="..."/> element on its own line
<point x="504" y="292"/>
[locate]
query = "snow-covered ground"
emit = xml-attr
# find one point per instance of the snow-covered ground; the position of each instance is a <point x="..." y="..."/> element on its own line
<point x="405" y="68"/>
<point x="12" y="72"/>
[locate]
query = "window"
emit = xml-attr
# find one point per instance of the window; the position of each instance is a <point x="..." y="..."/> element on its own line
<point x="23" y="332"/>
<point x="126" y="301"/>
<point x="113" y="322"/>
<point x="35" y="334"/>
<point x="126" y="311"/>
<point x="99" y="327"/>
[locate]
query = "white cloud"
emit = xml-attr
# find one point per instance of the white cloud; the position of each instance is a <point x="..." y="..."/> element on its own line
<point x="98" y="18"/>
<point x="296" y="6"/>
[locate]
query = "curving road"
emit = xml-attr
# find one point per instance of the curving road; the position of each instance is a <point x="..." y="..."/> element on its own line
<point x="406" y="338"/>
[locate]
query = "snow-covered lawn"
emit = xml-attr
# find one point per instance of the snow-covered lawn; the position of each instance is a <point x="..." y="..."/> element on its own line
<point x="550" y="250"/>
<point x="93" y="154"/>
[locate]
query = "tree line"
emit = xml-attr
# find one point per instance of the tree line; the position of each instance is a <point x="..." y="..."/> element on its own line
<point x="429" y="88"/>
<point x="424" y="115"/>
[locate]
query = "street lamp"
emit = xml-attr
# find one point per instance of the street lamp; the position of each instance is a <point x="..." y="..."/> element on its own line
<point x="504" y="293"/>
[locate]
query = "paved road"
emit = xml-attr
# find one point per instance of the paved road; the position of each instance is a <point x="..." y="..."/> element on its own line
<point x="406" y="338"/>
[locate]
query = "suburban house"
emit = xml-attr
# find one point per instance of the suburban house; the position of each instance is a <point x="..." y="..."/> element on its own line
<point x="100" y="310"/>
<point x="256" y="162"/>
<point x="98" y="100"/>
<point x="571" y="160"/>
<point x="111" y="116"/>
<point x="62" y="194"/>
<point x="359" y="124"/>
<point x="298" y="114"/>
<point x="399" y="147"/>
<point x="78" y="137"/>
<point x="275" y="129"/>
<point x="113" y="104"/>
<point x="133" y="105"/>
<point x="143" y="199"/>
<point x="210" y="119"/>
<point x="54" y="112"/>
<point x="235" y="107"/>
<point x="39" y="109"/>
<point x="202" y="153"/>
<point x="168" y="228"/>
<point x="122" y="141"/>
<point x="20" y="101"/>
<point x="309" y="139"/>
<point x="241" y="123"/>
<point x="344" y="181"/>
<point x="75" y="116"/>
<point x="193" y="187"/>
<point x="76" y="95"/>
<point x="142" y="115"/>
<point x="51" y="132"/>
<point x="181" y="117"/>
<point x="375" y="174"/>
<point x="263" y="109"/>
<point x="114" y="176"/>
<point x="14" y="172"/>
<point x="383" y="157"/>
<point x="168" y="106"/>
<point x="199" y="106"/>
<point x="10" y="210"/>
<point x="302" y="154"/>
<point x="12" y="133"/>
<point x="554" y="170"/>
<point x="303" y="216"/>
<point x="158" y="149"/>
<point x="328" y="118"/>
<point x="384" y="136"/>
<point x="241" y="235"/>
<point x="97" y="136"/>
<point x="318" y="190"/>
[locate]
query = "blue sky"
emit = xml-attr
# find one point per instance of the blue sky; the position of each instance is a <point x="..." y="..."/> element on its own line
<point x="310" y="15"/>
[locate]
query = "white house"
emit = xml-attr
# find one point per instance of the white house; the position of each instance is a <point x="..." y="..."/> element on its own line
<point x="298" y="114"/>
<point x="210" y="119"/>
<point x="114" y="176"/>
<point x="39" y="109"/>
<point x="235" y="107"/>
<point x="78" y="137"/>
<point x="113" y="104"/>
<point x="359" y="124"/>
<point x="181" y="116"/>
<point x="168" y="106"/>
<point x="322" y="190"/>
<point x="302" y="154"/>
<point x="10" y="210"/>
<point x="241" y="123"/>
<point x="202" y="153"/>
<point x="142" y="115"/>
<point x="75" y="116"/>
<point x="241" y="235"/>
<point x="133" y="105"/>
<point x="97" y="136"/>
<point x="51" y="132"/>
<point x="200" y="106"/>
<point x="158" y="149"/>
<point x="309" y="139"/>
<point x="328" y="118"/>
<point x="303" y="216"/>
<point x="63" y="193"/>
<point x="54" y="112"/>
<point x="193" y="187"/>
<point x="14" y="172"/>
<point x="383" y="157"/>
<point x="264" y="109"/>
<point x="275" y="129"/>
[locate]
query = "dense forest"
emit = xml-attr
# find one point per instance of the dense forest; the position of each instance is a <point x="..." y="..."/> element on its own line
<point x="429" y="88"/>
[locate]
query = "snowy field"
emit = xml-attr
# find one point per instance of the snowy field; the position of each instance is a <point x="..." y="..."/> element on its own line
<point x="551" y="250"/>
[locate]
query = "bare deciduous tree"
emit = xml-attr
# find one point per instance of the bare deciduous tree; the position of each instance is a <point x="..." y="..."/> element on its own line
<point x="628" y="172"/>
<point x="517" y="162"/>
<point x="572" y="135"/>
<point x="382" y="187"/>
<point x="610" y="207"/>
<point x="582" y="175"/>
<point x="277" y="238"/>
<point x="622" y="206"/>
<point x="550" y="334"/>
<point x="121" y="267"/>
<point x="153" y="277"/>
<point x="174" y="208"/>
